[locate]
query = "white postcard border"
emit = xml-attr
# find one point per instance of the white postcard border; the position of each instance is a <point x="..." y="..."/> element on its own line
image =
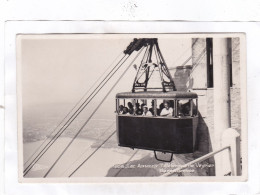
<point x="43" y="27"/>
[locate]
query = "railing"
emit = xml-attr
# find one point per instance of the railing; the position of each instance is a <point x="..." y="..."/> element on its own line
<point x="231" y="142"/>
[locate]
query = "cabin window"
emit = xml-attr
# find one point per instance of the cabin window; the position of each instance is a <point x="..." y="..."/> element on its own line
<point x="148" y="107"/>
<point x="144" y="107"/>
<point x="157" y="107"/>
<point x="183" y="107"/>
<point x="186" y="107"/>
<point x="125" y="106"/>
<point x="195" y="107"/>
<point x="135" y="106"/>
<point x="138" y="106"/>
<point x="161" y="109"/>
<point x="119" y="106"/>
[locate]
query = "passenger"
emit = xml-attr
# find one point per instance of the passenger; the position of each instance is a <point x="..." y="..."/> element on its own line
<point x="152" y="107"/>
<point x="130" y="108"/>
<point x="146" y="112"/>
<point x="179" y="109"/>
<point x="137" y="109"/>
<point x="161" y="106"/>
<point x="167" y="111"/>
<point x="186" y="110"/>
<point x="120" y="110"/>
<point x="142" y="105"/>
<point x="125" y="110"/>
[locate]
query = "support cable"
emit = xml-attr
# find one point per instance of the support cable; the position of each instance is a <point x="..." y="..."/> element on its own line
<point x="71" y="110"/>
<point x="92" y="113"/>
<point x="92" y="154"/>
<point x="86" y="150"/>
<point x="71" y="119"/>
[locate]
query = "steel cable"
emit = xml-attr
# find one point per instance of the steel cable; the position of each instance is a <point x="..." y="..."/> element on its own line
<point x="70" y="111"/>
<point x="93" y="112"/>
<point x="87" y="149"/>
<point x="75" y="114"/>
<point x="92" y="154"/>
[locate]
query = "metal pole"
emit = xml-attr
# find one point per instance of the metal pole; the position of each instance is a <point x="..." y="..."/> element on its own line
<point x="221" y="74"/>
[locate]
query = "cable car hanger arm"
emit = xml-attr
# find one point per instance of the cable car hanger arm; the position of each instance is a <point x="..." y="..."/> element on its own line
<point x="144" y="68"/>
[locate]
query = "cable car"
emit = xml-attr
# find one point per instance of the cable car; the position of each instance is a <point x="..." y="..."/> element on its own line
<point x="172" y="119"/>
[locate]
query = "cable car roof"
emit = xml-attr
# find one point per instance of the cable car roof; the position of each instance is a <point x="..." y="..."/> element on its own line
<point x="157" y="94"/>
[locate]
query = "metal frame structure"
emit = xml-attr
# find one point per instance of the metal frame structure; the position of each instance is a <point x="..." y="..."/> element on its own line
<point x="149" y="65"/>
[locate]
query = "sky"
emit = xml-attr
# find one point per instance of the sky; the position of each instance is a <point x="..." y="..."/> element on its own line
<point x="59" y="69"/>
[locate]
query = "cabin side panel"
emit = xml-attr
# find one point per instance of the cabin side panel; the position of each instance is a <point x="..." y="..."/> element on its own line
<point x="160" y="134"/>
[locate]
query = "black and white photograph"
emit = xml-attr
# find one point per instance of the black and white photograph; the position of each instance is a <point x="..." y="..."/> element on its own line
<point x="166" y="106"/>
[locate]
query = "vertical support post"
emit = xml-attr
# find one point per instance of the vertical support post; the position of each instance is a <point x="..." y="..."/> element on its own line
<point x="232" y="138"/>
<point x="222" y="120"/>
<point x="134" y="104"/>
<point x="155" y="107"/>
<point x="177" y="107"/>
<point x="197" y="106"/>
<point x="174" y="108"/>
<point x="191" y="107"/>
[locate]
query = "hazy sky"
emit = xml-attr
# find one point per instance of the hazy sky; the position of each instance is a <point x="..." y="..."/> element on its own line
<point x="60" y="68"/>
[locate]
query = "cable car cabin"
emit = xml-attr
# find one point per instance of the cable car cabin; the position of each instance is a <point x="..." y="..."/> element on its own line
<point x="158" y="121"/>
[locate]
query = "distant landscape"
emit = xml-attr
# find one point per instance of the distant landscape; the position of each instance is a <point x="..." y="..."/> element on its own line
<point x="39" y="123"/>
